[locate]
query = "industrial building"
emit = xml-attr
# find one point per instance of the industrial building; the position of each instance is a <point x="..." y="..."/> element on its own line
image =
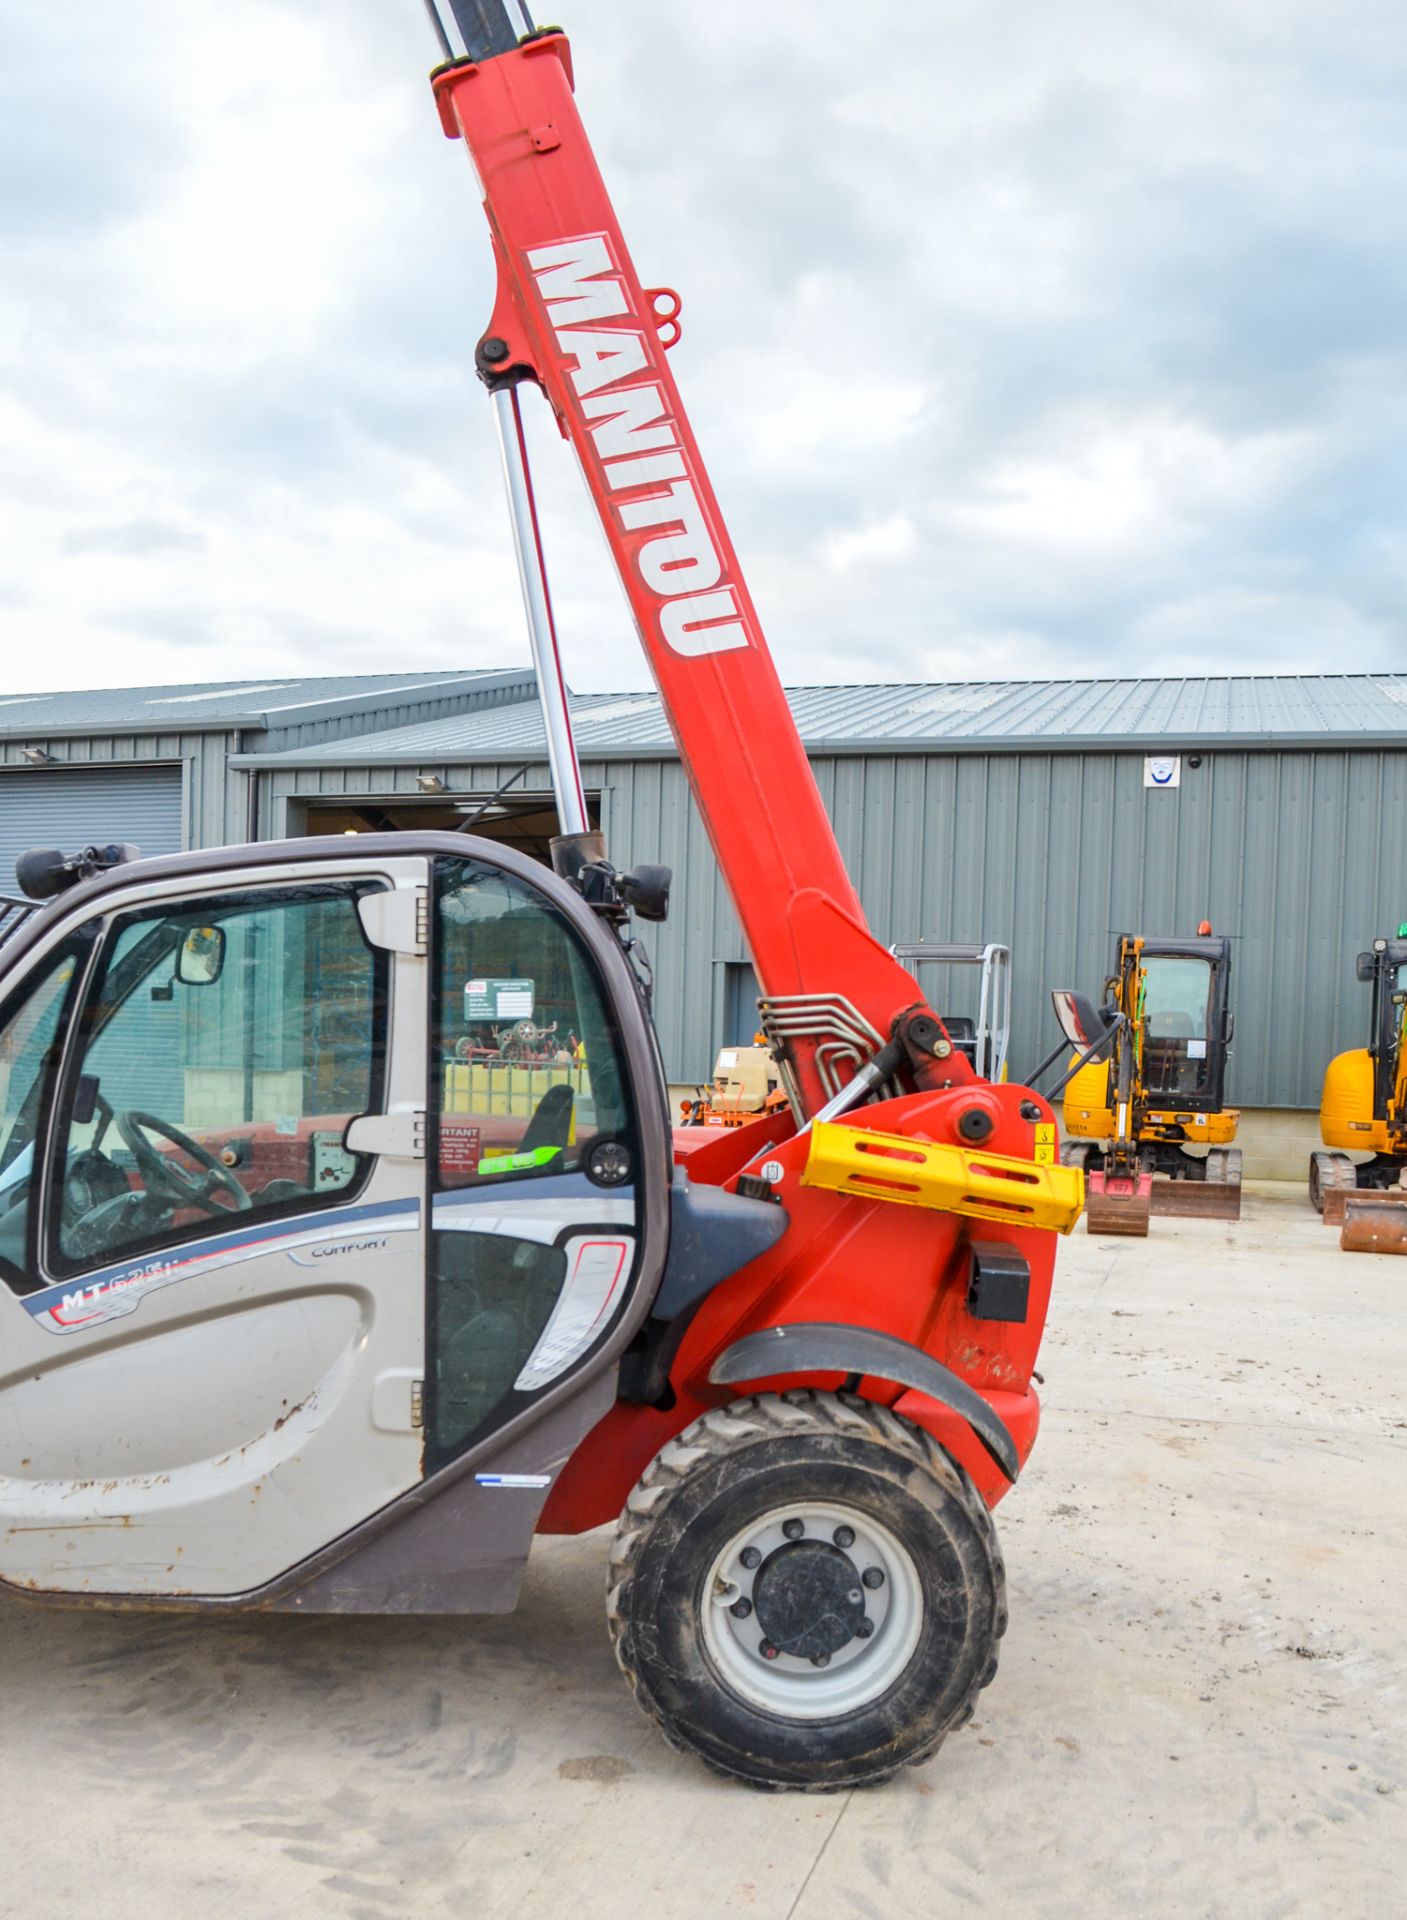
<point x="1046" y="815"/>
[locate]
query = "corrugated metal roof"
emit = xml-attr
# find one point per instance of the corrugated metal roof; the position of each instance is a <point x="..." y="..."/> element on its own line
<point x="1247" y="710"/>
<point x="228" y="703"/>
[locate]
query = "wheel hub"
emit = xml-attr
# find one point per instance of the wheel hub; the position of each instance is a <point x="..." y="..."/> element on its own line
<point x="812" y="1609"/>
<point x="808" y="1599"/>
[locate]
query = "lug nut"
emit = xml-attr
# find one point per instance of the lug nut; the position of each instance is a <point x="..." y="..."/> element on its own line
<point x="767" y="1650"/>
<point x="820" y="1660"/>
<point x="750" y="1558"/>
<point x="873" y="1577"/>
<point x="844" y="1536"/>
<point x="740" y="1609"/>
<point x="864" y="1630"/>
<point x="793" y="1529"/>
<point x="855" y="1597"/>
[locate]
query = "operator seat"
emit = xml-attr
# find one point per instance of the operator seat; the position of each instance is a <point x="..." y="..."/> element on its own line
<point x="551" y="1122"/>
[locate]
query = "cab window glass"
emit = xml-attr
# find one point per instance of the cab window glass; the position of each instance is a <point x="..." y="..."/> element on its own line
<point x="528" y="1075"/>
<point x="31" y="1027"/>
<point x="528" y="1083"/>
<point x="1174" y="1005"/>
<point x="226" y="1044"/>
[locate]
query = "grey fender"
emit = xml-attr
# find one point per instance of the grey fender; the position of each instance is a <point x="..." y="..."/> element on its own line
<point x="815" y="1346"/>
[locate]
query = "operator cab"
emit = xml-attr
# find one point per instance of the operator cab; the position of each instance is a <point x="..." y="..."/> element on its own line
<point x="1181" y="1021"/>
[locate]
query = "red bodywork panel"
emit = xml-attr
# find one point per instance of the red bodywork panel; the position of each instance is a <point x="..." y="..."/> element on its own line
<point x="571" y="315"/>
<point x="899" y="1270"/>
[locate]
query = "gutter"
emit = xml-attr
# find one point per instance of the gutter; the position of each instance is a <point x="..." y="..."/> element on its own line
<point x="461" y="753"/>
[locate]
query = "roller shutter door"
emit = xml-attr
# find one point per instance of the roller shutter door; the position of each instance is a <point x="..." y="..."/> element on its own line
<point x="72" y="808"/>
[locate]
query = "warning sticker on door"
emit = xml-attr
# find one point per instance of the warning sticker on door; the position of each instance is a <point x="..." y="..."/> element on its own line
<point x="459" y="1147"/>
<point x="1045" y="1144"/>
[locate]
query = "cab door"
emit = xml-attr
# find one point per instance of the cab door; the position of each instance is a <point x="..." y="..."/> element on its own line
<point x="213" y="1253"/>
<point x="542" y="1174"/>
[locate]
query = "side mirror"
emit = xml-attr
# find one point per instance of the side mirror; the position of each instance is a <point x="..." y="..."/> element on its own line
<point x="1364" y="969"/>
<point x="645" y="890"/>
<point x="200" y="958"/>
<point x="1078" y="1018"/>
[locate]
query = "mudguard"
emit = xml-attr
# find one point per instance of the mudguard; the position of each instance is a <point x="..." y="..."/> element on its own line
<point x="833" y="1347"/>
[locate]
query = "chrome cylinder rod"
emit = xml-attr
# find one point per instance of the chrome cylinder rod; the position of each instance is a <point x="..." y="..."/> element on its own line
<point x="542" y="631"/>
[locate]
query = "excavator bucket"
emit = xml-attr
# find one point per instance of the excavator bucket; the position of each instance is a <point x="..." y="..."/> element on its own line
<point x="1336" y="1200"/>
<point x="1375" y="1223"/>
<point x="1118" y="1203"/>
<point x="1216" y="1196"/>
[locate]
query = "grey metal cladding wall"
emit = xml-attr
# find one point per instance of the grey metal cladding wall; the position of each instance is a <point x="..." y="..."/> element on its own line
<point x="1300" y="857"/>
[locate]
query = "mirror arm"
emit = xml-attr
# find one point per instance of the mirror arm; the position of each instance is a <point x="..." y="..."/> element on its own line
<point x="1103" y="1046"/>
<point x="1061" y="1046"/>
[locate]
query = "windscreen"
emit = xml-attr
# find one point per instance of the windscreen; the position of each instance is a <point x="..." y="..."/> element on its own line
<point x="1174" y="1014"/>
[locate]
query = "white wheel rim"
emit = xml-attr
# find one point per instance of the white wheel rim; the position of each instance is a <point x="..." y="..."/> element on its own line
<point x="854" y="1674"/>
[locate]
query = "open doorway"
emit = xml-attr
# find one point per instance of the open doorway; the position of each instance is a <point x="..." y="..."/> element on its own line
<point x="526" y="821"/>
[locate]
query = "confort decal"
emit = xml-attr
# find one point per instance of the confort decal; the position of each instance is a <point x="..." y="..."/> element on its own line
<point x="120" y="1290"/>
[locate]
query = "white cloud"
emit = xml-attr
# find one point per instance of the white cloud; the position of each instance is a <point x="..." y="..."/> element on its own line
<point x="877" y="543"/>
<point x="1078" y="329"/>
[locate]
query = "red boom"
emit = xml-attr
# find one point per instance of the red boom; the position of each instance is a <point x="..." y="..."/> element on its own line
<point x="571" y="314"/>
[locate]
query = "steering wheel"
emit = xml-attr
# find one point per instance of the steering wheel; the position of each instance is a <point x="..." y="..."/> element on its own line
<point x="164" y="1175"/>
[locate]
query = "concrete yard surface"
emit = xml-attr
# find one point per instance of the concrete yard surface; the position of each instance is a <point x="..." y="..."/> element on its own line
<point x="1199" y="1712"/>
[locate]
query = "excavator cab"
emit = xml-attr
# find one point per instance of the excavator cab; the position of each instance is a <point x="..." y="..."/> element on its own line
<point x="1363" y="1108"/>
<point x="1145" y="1116"/>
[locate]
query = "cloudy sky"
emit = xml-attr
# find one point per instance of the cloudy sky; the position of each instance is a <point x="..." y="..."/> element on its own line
<point x="1022" y="337"/>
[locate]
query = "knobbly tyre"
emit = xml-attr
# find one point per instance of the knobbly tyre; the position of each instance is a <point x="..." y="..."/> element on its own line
<point x="308" y="1313"/>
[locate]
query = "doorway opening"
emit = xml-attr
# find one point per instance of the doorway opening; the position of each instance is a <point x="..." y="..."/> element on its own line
<point x="526" y="822"/>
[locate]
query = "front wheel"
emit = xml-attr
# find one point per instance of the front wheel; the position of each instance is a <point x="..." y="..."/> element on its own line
<point x="806" y="1591"/>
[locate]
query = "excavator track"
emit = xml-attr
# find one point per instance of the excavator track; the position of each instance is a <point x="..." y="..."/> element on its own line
<point x="1333" y="1180"/>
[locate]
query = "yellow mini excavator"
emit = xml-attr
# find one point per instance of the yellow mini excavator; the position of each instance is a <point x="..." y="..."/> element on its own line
<point x="1143" y="1109"/>
<point x="1364" y="1104"/>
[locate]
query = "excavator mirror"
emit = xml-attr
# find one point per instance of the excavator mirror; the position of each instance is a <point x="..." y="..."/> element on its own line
<point x="1076" y="1014"/>
<point x="1365" y="969"/>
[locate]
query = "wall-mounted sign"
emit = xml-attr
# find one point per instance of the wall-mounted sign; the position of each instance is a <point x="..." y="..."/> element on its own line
<point x="1162" y="770"/>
